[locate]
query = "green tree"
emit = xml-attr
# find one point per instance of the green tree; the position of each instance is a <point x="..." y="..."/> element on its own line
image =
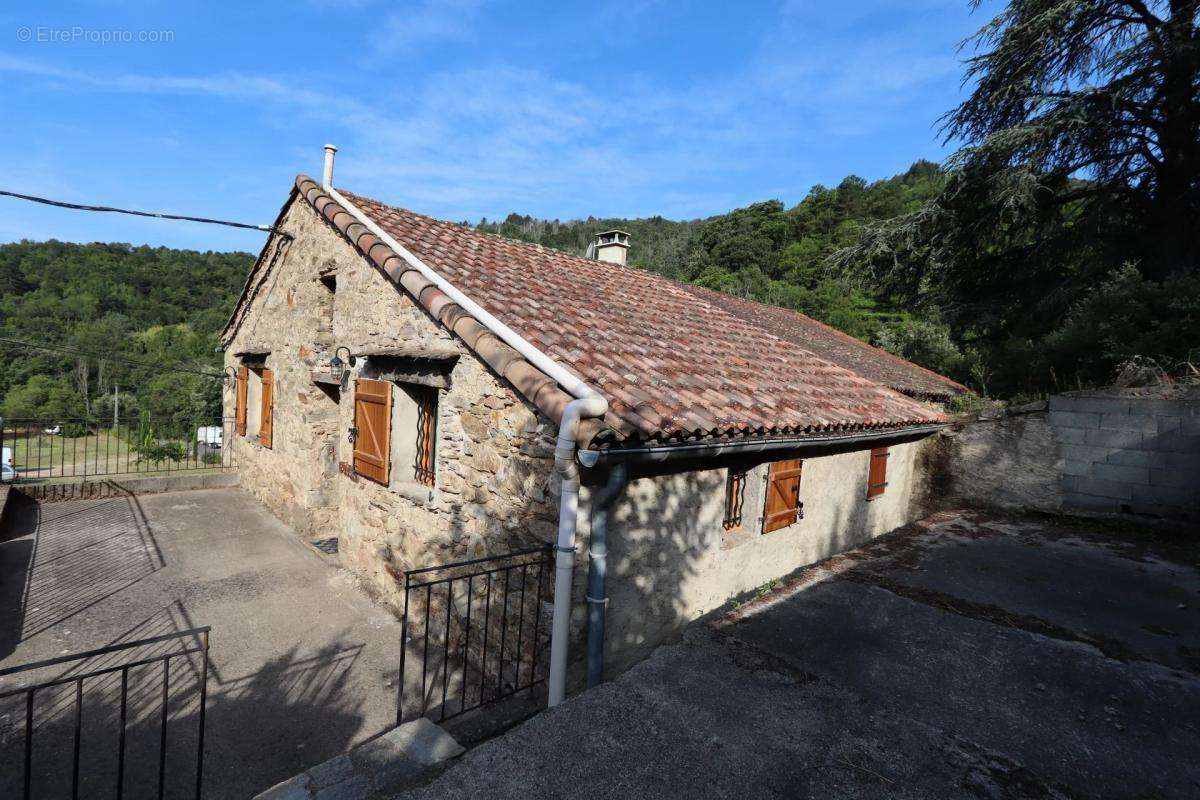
<point x="44" y="397"/>
<point x="1104" y="89"/>
<point x="1081" y="153"/>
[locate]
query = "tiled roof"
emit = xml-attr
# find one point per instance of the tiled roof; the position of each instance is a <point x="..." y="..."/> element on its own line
<point x="872" y="363"/>
<point x="673" y="365"/>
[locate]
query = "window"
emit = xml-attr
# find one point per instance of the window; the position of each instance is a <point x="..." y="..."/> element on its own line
<point x="877" y="473"/>
<point x="423" y="465"/>
<point x="783" y="505"/>
<point x="241" y="393"/>
<point x="266" y="423"/>
<point x="395" y="432"/>
<point x="373" y="429"/>
<point x="735" y="494"/>
<point x="328" y="281"/>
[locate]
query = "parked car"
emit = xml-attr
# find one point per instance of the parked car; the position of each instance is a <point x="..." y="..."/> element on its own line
<point x="210" y="436"/>
<point x="53" y="430"/>
<point x="7" y="471"/>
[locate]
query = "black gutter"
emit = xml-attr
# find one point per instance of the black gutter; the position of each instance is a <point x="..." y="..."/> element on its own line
<point x="799" y="446"/>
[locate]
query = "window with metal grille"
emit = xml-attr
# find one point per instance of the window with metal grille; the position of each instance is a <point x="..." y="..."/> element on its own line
<point x="423" y="468"/>
<point x="877" y="474"/>
<point x="735" y="495"/>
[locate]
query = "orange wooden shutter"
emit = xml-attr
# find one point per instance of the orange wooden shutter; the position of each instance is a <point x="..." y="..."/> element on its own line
<point x="373" y="421"/>
<point x="877" y="474"/>
<point x="783" y="495"/>
<point x="243" y="384"/>
<point x="266" y="424"/>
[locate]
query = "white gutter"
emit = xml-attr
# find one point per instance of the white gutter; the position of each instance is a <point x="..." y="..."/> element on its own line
<point x="588" y="403"/>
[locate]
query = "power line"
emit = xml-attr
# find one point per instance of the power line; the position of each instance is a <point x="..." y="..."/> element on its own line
<point x="132" y="361"/>
<point x="153" y="214"/>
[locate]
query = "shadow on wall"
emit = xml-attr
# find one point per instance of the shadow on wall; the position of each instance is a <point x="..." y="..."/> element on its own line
<point x="671" y="562"/>
<point x="1013" y="461"/>
<point x="648" y="575"/>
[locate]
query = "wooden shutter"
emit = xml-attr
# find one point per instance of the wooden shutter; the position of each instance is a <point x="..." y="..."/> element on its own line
<point x="426" y="436"/>
<point x="877" y="474"/>
<point x="783" y="495"/>
<point x="266" y="425"/>
<point x="373" y="429"/>
<point x="243" y="385"/>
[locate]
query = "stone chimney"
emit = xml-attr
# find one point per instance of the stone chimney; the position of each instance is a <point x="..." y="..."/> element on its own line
<point x="611" y="246"/>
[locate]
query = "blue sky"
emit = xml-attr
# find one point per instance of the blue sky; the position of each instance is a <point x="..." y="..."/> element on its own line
<point x="460" y="108"/>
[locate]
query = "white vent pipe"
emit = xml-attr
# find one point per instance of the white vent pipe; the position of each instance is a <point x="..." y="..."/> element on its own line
<point x="588" y="404"/>
<point x="327" y="174"/>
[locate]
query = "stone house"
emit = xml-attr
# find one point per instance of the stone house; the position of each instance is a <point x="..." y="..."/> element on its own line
<point x="402" y="384"/>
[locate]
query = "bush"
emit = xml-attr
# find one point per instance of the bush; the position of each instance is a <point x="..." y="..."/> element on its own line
<point x="161" y="451"/>
<point x="969" y="404"/>
<point x="74" y="430"/>
<point x="212" y="459"/>
<point x="1124" y="318"/>
<point x="923" y="342"/>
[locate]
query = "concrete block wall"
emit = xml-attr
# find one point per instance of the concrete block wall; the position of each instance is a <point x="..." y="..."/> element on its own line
<point x="1129" y="454"/>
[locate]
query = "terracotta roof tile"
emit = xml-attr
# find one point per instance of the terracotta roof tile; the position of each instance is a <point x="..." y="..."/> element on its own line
<point x="870" y="362"/>
<point x="646" y="341"/>
<point x="674" y="362"/>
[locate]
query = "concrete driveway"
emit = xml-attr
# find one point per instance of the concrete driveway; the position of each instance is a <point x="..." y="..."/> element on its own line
<point x="303" y="664"/>
<point x="969" y="656"/>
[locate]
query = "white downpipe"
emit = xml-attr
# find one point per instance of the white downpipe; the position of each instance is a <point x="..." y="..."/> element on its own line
<point x="588" y="403"/>
<point x="570" y="382"/>
<point x="568" y="516"/>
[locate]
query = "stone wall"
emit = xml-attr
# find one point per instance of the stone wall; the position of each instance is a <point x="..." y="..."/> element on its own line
<point x="1125" y="452"/>
<point x="1008" y="459"/>
<point x="1133" y="451"/>
<point x="493" y="490"/>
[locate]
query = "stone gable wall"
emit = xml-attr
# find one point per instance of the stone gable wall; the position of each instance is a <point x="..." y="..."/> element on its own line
<point x="493" y="489"/>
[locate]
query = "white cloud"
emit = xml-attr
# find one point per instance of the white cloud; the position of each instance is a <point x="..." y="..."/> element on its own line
<point x="488" y="140"/>
<point x="425" y="22"/>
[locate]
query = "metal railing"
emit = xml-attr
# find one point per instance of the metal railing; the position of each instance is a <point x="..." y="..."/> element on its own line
<point x="92" y="676"/>
<point x="478" y="625"/>
<point x="46" y="449"/>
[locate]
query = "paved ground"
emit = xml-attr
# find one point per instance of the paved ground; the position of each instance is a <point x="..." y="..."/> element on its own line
<point x="972" y="656"/>
<point x="303" y="664"/>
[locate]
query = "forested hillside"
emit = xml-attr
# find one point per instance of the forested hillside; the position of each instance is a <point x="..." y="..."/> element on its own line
<point x="115" y="302"/>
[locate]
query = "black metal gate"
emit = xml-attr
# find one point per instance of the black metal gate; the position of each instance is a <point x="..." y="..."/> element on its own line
<point x="118" y="719"/>
<point x="476" y="631"/>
